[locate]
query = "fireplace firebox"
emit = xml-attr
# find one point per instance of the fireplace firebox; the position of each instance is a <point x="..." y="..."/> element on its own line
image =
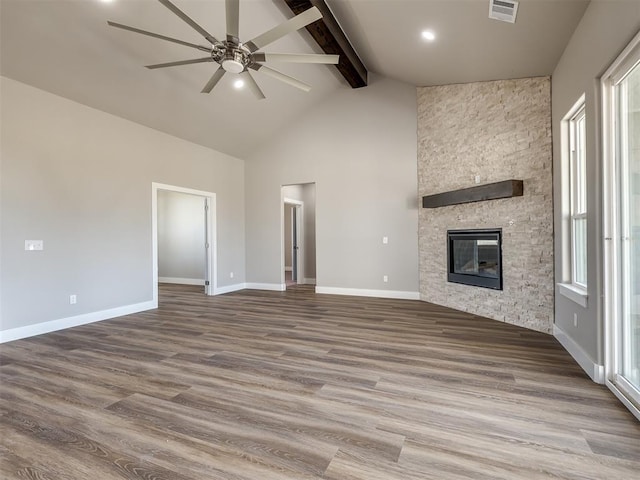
<point x="475" y="257"/>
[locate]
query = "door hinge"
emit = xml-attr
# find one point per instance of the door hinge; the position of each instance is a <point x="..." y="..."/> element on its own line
<point x="206" y="245"/>
<point x="206" y="283"/>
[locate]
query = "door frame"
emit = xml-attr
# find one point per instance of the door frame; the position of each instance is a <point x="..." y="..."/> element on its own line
<point x="298" y="210"/>
<point x="211" y="263"/>
<point x="613" y="237"/>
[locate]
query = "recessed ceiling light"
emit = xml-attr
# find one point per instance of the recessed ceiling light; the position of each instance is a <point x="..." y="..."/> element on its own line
<point x="238" y="83"/>
<point x="106" y="1"/>
<point x="428" y="35"/>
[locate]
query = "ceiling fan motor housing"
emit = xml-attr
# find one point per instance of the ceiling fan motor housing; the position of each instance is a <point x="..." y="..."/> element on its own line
<point x="234" y="58"/>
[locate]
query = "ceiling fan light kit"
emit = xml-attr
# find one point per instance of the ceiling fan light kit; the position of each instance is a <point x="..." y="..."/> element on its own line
<point x="233" y="56"/>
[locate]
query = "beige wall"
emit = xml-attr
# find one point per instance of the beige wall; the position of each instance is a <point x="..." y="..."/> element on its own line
<point x="81" y="180"/>
<point x="499" y="131"/>
<point x="359" y="147"/>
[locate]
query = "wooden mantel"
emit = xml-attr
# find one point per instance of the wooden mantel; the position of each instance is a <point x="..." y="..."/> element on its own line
<point x="490" y="191"/>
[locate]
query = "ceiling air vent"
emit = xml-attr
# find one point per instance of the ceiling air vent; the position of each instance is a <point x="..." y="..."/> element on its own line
<point x="504" y="10"/>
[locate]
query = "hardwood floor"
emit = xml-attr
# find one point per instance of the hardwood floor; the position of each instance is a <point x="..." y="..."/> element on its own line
<point x="293" y="385"/>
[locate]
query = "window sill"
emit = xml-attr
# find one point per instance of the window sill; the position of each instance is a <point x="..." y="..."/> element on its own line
<point x="574" y="293"/>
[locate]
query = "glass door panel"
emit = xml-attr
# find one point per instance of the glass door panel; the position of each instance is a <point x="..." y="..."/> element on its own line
<point x="628" y="141"/>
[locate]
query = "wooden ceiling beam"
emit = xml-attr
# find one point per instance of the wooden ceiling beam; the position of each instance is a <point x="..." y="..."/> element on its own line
<point x="332" y="40"/>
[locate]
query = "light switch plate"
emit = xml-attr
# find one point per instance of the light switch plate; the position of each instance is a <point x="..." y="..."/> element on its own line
<point x="33" y="245"/>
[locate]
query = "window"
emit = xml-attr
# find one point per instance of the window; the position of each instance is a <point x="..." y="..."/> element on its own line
<point x="578" y="196"/>
<point x="574" y="204"/>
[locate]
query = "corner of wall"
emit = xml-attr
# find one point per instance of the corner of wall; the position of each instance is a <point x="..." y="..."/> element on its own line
<point x="591" y="368"/>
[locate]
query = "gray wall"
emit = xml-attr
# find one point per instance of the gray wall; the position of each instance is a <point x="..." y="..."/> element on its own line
<point x="81" y="180"/>
<point x="499" y="131"/>
<point x="181" y="237"/>
<point x="605" y="29"/>
<point x="359" y="147"/>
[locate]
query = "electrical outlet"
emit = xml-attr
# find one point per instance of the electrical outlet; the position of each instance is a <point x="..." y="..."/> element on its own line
<point x="385" y="240"/>
<point x="231" y="275"/>
<point x="73" y="299"/>
<point x="575" y="319"/>
<point x="385" y="279"/>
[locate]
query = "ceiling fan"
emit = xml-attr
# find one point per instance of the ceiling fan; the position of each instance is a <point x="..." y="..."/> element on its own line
<point x="236" y="57"/>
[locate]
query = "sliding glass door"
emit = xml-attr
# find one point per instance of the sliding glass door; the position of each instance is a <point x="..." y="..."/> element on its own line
<point x="628" y="96"/>
<point x="621" y="89"/>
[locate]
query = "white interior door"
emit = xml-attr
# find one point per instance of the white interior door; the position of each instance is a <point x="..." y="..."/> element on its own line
<point x="208" y="259"/>
<point x="294" y="245"/>
<point x="297" y="239"/>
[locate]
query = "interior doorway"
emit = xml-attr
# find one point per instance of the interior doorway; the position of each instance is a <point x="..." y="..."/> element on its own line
<point x="293" y="241"/>
<point x="183" y="235"/>
<point x="298" y="235"/>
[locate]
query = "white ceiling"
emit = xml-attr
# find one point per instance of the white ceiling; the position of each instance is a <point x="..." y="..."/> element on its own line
<point x="469" y="47"/>
<point x="66" y="47"/>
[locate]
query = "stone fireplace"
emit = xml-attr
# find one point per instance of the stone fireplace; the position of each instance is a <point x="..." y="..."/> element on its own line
<point x="471" y="136"/>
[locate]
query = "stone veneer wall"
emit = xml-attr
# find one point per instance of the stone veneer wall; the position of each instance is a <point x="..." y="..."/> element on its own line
<point x="499" y="130"/>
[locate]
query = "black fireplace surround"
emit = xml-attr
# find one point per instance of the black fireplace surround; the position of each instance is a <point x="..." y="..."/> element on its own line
<point x="474" y="257"/>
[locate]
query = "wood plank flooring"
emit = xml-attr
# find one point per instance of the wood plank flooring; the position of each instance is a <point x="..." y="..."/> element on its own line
<point x="293" y="385"/>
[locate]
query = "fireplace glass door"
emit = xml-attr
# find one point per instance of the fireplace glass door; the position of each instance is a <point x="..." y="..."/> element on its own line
<point x="475" y="257"/>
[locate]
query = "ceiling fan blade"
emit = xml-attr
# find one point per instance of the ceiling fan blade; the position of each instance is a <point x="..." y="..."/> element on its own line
<point x="232" y="10"/>
<point x="180" y="62"/>
<point x="282" y="77"/>
<point x="156" y="35"/>
<point x="252" y="85"/>
<point x="296" y="58"/>
<point x="189" y="21"/>
<point x="213" y="81"/>
<point x="301" y="20"/>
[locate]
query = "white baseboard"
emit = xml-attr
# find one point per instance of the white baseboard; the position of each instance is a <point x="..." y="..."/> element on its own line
<point x="229" y="288"/>
<point x="62" y="323"/>
<point x="361" y="292"/>
<point x="595" y="371"/>
<point x="278" y="287"/>
<point x="181" y="281"/>
<point x="309" y="281"/>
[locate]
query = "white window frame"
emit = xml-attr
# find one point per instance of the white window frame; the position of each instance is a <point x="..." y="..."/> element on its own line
<point x="573" y="139"/>
<point x="615" y="74"/>
<point x="578" y="187"/>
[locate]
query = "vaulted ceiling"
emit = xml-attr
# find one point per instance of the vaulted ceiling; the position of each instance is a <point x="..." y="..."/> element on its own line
<point x="65" y="47"/>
